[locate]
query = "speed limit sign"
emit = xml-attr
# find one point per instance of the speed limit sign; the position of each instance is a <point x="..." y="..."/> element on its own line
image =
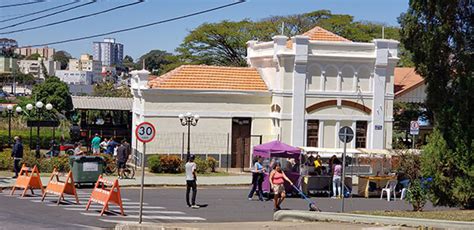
<point x="145" y="132"/>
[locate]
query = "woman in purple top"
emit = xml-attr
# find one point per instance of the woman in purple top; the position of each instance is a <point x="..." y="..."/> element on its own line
<point x="336" y="178"/>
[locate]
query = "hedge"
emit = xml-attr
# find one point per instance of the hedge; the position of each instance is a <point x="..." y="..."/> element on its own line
<point x="45" y="165"/>
<point x="46" y="135"/>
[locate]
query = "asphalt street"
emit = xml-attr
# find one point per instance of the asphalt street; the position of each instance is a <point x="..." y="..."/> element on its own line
<point x="163" y="205"/>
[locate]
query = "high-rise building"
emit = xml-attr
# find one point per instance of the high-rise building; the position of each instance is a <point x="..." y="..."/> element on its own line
<point x="108" y="52"/>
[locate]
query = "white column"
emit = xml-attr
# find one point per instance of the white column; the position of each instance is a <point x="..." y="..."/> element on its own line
<point x="299" y="92"/>
<point x="354" y="82"/>
<point x="322" y="81"/>
<point x="339" y="81"/>
<point x="336" y="134"/>
<point x="279" y="45"/>
<point x="354" y="126"/>
<point x="385" y="50"/>
<point x="139" y="82"/>
<point x="321" y="134"/>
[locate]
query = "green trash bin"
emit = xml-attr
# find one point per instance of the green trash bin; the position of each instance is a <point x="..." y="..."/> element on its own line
<point x="86" y="169"/>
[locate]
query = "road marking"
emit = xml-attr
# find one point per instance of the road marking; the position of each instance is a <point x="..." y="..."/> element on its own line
<point x="133" y="211"/>
<point x="100" y="206"/>
<point x="56" y="198"/>
<point x="150" y="217"/>
<point x="124" y="221"/>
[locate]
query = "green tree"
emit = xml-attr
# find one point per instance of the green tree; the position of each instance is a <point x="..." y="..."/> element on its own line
<point x="62" y="57"/>
<point x="128" y="63"/>
<point x="34" y="57"/>
<point x="439" y="36"/>
<point x="53" y="91"/>
<point x="154" y="60"/>
<point x="224" y="43"/>
<point x="108" y="89"/>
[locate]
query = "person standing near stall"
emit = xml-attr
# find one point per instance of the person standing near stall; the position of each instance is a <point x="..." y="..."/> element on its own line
<point x="336" y="178"/>
<point x="277" y="180"/>
<point x="257" y="179"/>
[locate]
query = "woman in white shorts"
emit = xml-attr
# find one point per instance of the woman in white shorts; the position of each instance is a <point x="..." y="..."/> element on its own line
<point x="277" y="180"/>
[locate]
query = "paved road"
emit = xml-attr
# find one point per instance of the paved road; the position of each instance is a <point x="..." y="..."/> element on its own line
<point x="163" y="205"/>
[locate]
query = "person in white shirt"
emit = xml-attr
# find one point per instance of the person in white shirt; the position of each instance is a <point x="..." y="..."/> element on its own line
<point x="191" y="182"/>
<point x="104" y="144"/>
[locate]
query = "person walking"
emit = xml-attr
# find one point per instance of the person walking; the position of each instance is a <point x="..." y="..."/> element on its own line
<point x="336" y="178"/>
<point x="257" y="179"/>
<point x="17" y="154"/>
<point x="122" y="157"/>
<point x="95" y="144"/>
<point x="191" y="178"/>
<point x="277" y="180"/>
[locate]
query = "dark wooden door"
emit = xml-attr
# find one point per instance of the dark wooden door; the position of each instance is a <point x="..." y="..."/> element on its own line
<point x="241" y="128"/>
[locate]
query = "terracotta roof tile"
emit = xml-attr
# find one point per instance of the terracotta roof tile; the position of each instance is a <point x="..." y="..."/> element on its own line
<point x="195" y="77"/>
<point x="405" y="79"/>
<point x="320" y="34"/>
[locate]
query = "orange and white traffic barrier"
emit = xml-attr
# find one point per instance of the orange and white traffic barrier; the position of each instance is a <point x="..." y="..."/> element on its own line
<point x="28" y="179"/>
<point x="104" y="193"/>
<point x="59" y="188"/>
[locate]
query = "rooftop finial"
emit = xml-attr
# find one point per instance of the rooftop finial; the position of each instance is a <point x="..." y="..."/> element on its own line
<point x="282" y="27"/>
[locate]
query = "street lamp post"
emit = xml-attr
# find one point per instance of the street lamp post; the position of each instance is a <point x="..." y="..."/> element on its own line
<point x="38" y="108"/>
<point x="188" y="119"/>
<point x="10" y="115"/>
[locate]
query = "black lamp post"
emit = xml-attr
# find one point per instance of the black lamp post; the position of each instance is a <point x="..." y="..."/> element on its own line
<point x="188" y="119"/>
<point x="10" y="115"/>
<point x="39" y="109"/>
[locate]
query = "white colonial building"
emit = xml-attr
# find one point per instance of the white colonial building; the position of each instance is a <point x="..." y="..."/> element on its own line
<point x="300" y="90"/>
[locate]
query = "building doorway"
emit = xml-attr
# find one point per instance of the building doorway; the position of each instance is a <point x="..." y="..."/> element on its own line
<point x="241" y="128"/>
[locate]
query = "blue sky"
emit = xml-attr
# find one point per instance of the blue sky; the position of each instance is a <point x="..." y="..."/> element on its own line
<point x="168" y="36"/>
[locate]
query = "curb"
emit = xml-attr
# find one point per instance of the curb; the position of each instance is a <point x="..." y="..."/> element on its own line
<point x="307" y="216"/>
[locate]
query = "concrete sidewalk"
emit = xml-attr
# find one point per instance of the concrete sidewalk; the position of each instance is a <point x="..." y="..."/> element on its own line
<point x="307" y="216"/>
<point x="157" y="180"/>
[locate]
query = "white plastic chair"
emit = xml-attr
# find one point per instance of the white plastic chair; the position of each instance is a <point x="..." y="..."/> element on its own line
<point x="404" y="193"/>
<point x="389" y="188"/>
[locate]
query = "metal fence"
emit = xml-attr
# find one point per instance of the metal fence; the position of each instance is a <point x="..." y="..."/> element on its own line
<point x="216" y="145"/>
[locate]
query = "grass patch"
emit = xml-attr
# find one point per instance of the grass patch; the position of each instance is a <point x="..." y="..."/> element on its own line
<point x="455" y="215"/>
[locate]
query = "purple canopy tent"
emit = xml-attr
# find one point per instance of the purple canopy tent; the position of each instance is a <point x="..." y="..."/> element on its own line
<point x="278" y="149"/>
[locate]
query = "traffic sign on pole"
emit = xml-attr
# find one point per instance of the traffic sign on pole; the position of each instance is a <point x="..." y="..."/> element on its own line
<point x="414" y="128"/>
<point x="145" y="132"/>
<point x="346" y="134"/>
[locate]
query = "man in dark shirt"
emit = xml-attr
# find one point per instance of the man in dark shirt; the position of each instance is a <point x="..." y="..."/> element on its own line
<point x="122" y="157"/>
<point x="111" y="146"/>
<point x="17" y="154"/>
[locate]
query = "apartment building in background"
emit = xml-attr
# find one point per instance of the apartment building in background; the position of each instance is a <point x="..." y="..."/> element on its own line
<point x="45" y="52"/>
<point x="109" y="52"/>
<point x="85" y="63"/>
<point x="35" y="67"/>
<point x="8" y="65"/>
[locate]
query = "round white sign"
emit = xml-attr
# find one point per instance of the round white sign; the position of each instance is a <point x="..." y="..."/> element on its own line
<point x="145" y="132"/>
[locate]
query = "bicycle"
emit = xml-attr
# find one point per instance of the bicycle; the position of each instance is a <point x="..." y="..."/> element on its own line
<point x="111" y="168"/>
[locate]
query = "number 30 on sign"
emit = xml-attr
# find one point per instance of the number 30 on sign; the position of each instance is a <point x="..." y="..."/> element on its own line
<point x="145" y="132"/>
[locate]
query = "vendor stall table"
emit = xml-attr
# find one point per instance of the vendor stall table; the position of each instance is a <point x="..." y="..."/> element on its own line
<point x="315" y="185"/>
<point x="379" y="181"/>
